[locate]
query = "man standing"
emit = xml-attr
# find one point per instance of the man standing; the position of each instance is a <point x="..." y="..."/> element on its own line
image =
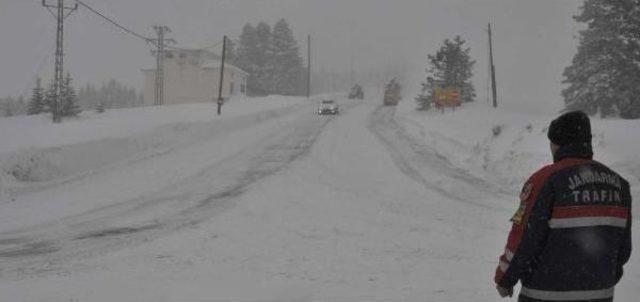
<point x="571" y="234"/>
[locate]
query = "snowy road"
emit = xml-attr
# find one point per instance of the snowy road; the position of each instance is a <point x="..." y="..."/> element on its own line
<point x="201" y="185"/>
<point x="423" y="164"/>
<point x="286" y="207"/>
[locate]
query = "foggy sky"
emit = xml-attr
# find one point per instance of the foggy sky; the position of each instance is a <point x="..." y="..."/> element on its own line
<point x="534" y="40"/>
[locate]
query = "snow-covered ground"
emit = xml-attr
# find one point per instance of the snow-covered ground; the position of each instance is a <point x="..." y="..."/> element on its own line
<point x="36" y="154"/>
<point x="505" y="147"/>
<point x="22" y="132"/>
<point x="271" y="202"/>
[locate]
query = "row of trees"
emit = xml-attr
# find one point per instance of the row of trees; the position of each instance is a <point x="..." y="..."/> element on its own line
<point x="111" y="94"/>
<point x="602" y="78"/>
<point x="44" y="101"/>
<point x="11" y="106"/>
<point x="272" y="59"/>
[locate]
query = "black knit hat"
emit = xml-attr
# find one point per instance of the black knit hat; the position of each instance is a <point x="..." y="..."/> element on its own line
<point x="570" y="128"/>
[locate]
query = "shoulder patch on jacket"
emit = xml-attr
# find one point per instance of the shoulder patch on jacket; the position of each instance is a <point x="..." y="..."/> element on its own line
<point x="526" y="191"/>
<point x="518" y="217"/>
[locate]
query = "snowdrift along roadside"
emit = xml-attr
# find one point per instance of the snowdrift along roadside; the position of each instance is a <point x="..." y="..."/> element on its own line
<point x="37" y="154"/>
<point x="505" y="147"/>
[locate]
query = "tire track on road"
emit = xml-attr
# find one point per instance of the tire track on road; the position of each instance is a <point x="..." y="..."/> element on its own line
<point x="57" y="246"/>
<point x="424" y="165"/>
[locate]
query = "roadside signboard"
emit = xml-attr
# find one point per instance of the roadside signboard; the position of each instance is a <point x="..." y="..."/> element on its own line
<point x="448" y="97"/>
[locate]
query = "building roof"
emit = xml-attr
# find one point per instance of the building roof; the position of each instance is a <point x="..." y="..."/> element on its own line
<point x="202" y="53"/>
<point x="208" y="59"/>
<point x="215" y="64"/>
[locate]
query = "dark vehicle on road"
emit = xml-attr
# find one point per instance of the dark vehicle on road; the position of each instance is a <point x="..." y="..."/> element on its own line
<point x="328" y="107"/>
<point x="356" y="93"/>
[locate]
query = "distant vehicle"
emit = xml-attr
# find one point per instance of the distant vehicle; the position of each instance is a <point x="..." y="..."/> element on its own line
<point x="392" y="93"/>
<point x="356" y="92"/>
<point x="328" y="107"/>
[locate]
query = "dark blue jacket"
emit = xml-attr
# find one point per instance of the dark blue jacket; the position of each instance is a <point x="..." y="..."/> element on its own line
<point x="571" y="234"/>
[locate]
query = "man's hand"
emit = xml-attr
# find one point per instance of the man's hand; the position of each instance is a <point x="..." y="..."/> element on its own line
<point x="504" y="292"/>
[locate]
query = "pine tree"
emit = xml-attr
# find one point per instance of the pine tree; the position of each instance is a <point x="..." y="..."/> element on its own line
<point x="450" y="67"/>
<point x="108" y="93"/>
<point x="604" y="74"/>
<point x="113" y="93"/>
<point x="230" y="52"/>
<point x="272" y="59"/>
<point x="37" y="102"/>
<point x="285" y="63"/>
<point x="264" y="55"/>
<point x="50" y="98"/>
<point x="69" y="99"/>
<point x="20" y="107"/>
<point x="246" y="55"/>
<point x="423" y="100"/>
<point x="88" y="97"/>
<point x="8" y="105"/>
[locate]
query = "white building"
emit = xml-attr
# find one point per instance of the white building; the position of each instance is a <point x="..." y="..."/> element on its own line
<point x="193" y="76"/>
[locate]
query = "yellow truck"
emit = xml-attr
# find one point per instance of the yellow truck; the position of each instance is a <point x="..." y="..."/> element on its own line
<point x="392" y="93"/>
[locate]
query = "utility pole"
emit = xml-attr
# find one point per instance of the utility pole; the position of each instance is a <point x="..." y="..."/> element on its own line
<point x="308" y="66"/>
<point x="488" y="82"/>
<point x="493" y="71"/>
<point x="62" y="12"/>
<point x="224" y="52"/>
<point x="352" y="77"/>
<point x="161" y="41"/>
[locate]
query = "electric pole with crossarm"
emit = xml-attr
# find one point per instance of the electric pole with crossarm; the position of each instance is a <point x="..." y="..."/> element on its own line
<point x="161" y="43"/>
<point x="62" y="12"/>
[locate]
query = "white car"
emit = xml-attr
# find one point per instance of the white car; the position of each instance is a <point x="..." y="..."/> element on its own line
<point x="328" y="107"/>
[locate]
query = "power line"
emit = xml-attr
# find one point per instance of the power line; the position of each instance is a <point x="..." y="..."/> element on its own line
<point x="131" y="32"/>
<point x="45" y="52"/>
<point x="52" y="13"/>
<point x="161" y="43"/>
<point x="211" y="46"/>
<point x="123" y="28"/>
<point x="30" y="83"/>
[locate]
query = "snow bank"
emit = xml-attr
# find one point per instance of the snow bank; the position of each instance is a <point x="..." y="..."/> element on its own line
<point x="505" y="146"/>
<point x="22" y="132"/>
<point x="3" y="194"/>
<point x="36" y="153"/>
